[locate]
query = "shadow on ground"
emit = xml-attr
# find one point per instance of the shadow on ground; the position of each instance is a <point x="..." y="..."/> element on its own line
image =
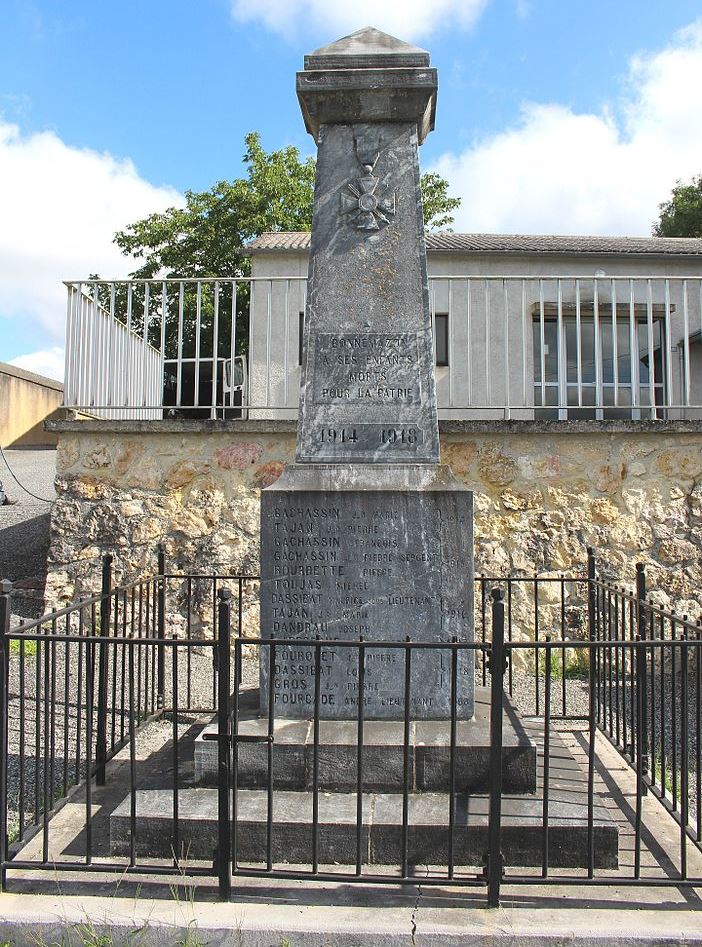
<point x="24" y="547"/>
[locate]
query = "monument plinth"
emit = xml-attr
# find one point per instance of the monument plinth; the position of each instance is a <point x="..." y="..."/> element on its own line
<point x="367" y="537"/>
<point x="378" y="553"/>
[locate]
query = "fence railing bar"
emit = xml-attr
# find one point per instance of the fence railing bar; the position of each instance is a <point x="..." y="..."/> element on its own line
<point x="315" y="757"/>
<point x="494" y="860"/>
<point x="546" y="761"/>
<point x="360" y="721"/>
<point x="272" y="644"/>
<point x="224" y="744"/>
<point x="175" y="823"/>
<point x="684" y="770"/>
<point x="406" y="765"/>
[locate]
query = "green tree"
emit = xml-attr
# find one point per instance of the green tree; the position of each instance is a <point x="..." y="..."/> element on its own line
<point x="681" y="215"/>
<point x="438" y="206"/>
<point x="208" y="235"/>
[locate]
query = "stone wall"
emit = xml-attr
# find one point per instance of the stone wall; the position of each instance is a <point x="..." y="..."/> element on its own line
<point x="543" y="493"/>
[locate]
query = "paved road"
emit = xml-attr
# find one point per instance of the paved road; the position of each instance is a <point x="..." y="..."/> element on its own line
<point x="24" y="527"/>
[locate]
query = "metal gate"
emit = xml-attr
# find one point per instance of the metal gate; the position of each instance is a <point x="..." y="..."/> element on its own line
<point x="233" y="740"/>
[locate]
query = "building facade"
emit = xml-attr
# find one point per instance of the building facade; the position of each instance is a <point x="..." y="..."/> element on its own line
<point x="525" y="327"/>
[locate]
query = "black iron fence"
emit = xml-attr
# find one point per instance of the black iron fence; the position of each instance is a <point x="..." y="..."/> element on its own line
<point x="103" y="704"/>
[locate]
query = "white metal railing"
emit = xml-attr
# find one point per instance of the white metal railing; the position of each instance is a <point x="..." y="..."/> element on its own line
<point x="517" y="346"/>
<point x="111" y="371"/>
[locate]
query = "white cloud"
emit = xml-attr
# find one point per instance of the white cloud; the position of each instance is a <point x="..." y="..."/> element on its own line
<point x="59" y="209"/>
<point x="559" y="171"/>
<point x="407" y="19"/>
<point x="49" y="362"/>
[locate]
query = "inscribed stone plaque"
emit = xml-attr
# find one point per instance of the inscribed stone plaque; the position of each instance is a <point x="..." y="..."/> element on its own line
<point x="367" y="367"/>
<point x="379" y="553"/>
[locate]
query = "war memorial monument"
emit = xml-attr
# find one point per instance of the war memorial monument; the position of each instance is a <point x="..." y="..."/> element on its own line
<point x="367" y="537"/>
<point x="367" y="544"/>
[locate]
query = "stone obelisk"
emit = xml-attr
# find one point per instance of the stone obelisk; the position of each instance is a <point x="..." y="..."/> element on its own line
<point x="368" y="100"/>
<point x="367" y="536"/>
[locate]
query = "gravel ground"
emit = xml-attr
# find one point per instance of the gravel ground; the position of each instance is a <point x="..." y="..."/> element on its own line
<point x="24" y="526"/>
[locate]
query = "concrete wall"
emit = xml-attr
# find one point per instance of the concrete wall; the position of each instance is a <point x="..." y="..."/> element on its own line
<point x="26" y="401"/>
<point x="491" y="345"/>
<point x="543" y="493"/>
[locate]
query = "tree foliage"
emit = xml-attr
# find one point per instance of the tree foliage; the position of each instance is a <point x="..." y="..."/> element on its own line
<point x="438" y="206"/>
<point x="681" y="215"/>
<point x="208" y="235"/>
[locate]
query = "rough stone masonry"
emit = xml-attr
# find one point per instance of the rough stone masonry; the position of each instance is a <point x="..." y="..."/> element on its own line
<point x="367" y="537"/>
<point x="543" y="492"/>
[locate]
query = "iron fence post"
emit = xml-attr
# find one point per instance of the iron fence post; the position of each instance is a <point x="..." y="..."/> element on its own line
<point x="5" y="610"/>
<point x="593" y="664"/>
<point x="641" y="682"/>
<point x="593" y="618"/>
<point x="591" y="573"/>
<point x="593" y="656"/>
<point x="224" y="745"/>
<point x="101" y="727"/>
<point x="161" y="629"/>
<point x="498" y="666"/>
<point x="640" y="666"/>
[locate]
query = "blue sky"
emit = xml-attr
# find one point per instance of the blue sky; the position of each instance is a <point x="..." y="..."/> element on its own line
<point x="553" y="116"/>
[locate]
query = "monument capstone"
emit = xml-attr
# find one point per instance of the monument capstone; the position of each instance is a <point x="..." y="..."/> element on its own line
<point x="367" y="536"/>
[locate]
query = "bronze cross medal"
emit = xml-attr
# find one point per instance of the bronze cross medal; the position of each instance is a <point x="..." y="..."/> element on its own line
<point x="367" y="209"/>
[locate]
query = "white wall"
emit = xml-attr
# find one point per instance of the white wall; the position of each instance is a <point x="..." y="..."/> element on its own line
<point x="490" y="323"/>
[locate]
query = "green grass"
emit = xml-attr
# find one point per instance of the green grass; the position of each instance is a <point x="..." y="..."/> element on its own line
<point x="576" y="664"/>
<point x="668" y="777"/>
<point x="30" y="650"/>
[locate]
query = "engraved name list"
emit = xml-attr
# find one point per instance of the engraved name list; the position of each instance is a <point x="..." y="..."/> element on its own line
<point x="344" y="567"/>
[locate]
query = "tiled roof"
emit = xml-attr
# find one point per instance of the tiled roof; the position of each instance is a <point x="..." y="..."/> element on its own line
<point x="281" y="241"/>
<point x="513" y="243"/>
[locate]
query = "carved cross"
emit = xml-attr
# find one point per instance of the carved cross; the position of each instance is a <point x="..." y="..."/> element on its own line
<point x="364" y="206"/>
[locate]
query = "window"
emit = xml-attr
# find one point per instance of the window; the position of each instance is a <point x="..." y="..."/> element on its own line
<point x="441" y="338"/>
<point x="301" y="332"/>
<point x="584" y="378"/>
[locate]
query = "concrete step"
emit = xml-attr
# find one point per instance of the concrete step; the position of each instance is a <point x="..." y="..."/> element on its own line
<point x="383" y="753"/>
<point x="381" y="834"/>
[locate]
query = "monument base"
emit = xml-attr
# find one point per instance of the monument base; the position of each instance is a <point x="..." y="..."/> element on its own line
<point x="428" y="755"/>
<point x="377" y="553"/>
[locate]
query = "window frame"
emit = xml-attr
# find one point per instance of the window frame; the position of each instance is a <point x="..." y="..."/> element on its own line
<point x="444" y="322"/>
<point x="300" y="337"/>
<point x="653" y="321"/>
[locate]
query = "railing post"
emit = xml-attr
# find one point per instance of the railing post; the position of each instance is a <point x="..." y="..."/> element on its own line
<point x="224" y="745"/>
<point x="161" y="629"/>
<point x="498" y="666"/>
<point x="101" y="729"/>
<point x="5" y="610"/>
<point x="640" y="759"/>
<point x="641" y="679"/>
<point x="593" y="655"/>
<point x="593" y="664"/>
